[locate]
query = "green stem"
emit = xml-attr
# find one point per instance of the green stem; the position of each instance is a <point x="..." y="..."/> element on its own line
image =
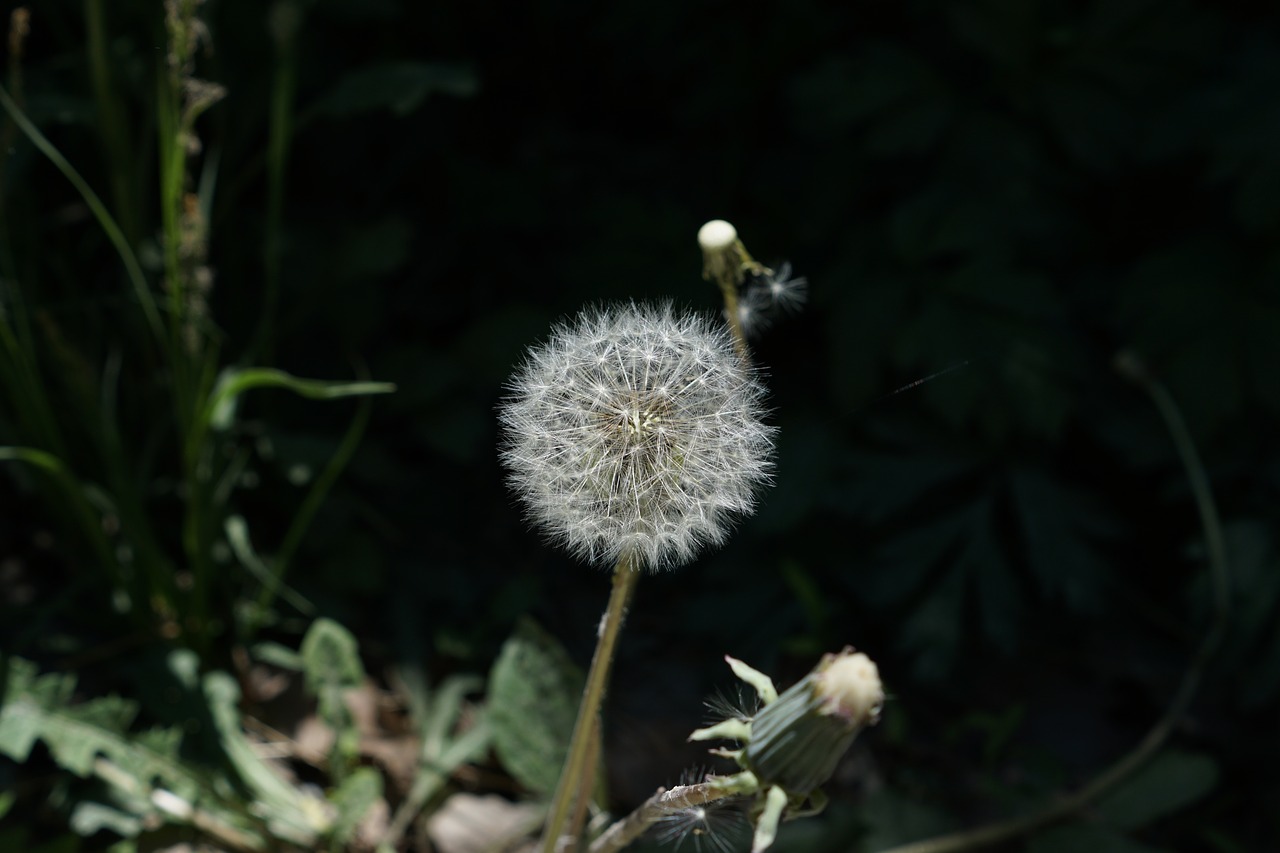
<point x="728" y="266"/>
<point x="99" y="210"/>
<point x="310" y="505"/>
<point x="1108" y="779"/>
<point x="729" y="289"/>
<point x="279" y="137"/>
<point x="84" y="513"/>
<point x="110" y="115"/>
<point x="587" y="785"/>
<point x="20" y="376"/>
<point x="571" y="778"/>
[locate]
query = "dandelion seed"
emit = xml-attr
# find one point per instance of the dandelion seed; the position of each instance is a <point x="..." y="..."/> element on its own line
<point x="755" y="310"/>
<point x="720" y="826"/>
<point x="635" y="430"/>
<point x="785" y="292"/>
<point x="726" y="704"/>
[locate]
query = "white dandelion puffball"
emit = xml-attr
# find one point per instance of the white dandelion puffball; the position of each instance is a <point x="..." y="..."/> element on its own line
<point x="635" y="431"/>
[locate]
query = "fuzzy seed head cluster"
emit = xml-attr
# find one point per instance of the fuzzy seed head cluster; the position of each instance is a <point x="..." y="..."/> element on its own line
<point x="636" y="431"/>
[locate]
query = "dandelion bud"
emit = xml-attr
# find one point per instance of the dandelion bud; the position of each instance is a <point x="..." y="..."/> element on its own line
<point x="717" y="235"/>
<point x="724" y="258"/>
<point x="636" y="432"/>
<point x="797" y="740"/>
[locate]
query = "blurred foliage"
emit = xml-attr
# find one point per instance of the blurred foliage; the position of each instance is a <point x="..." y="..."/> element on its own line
<point x="1001" y="193"/>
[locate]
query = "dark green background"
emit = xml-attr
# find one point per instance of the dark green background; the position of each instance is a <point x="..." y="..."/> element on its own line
<point x="1015" y="189"/>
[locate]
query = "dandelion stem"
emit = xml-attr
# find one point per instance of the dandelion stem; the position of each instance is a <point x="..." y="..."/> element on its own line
<point x="729" y="289"/>
<point x="726" y="262"/>
<point x="574" y="773"/>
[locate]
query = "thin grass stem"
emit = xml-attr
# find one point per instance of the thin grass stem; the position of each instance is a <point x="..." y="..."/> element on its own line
<point x="279" y="138"/>
<point x="311" y="504"/>
<point x="111" y="118"/>
<point x="108" y="224"/>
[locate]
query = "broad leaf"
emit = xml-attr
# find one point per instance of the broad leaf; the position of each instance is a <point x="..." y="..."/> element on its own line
<point x="1170" y="781"/>
<point x="533" y="699"/>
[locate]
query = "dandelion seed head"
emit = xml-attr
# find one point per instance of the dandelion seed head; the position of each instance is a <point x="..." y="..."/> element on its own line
<point x="636" y="430"/>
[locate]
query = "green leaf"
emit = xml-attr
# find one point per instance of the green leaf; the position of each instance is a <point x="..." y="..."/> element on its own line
<point x="14" y="838"/>
<point x="1169" y="782"/>
<point x="1255" y="599"/>
<point x="37" y="708"/>
<point x="277" y="655"/>
<point x="290" y="814"/>
<point x="875" y="487"/>
<point x="33" y="456"/>
<point x="331" y="664"/>
<point x="933" y="633"/>
<point x="398" y="86"/>
<point x="442" y="751"/>
<point x="143" y="771"/>
<point x="1076" y="837"/>
<point x="994" y="587"/>
<point x="533" y="700"/>
<point x="62" y="844"/>
<point x="375" y="248"/>
<point x="892" y="819"/>
<point x="1057" y="524"/>
<point x="353" y="799"/>
<point x="89" y="817"/>
<point x="220" y="409"/>
<point x="330" y="657"/>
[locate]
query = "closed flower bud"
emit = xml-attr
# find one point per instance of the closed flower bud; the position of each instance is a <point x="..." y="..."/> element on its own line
<point x="797" y="740"/>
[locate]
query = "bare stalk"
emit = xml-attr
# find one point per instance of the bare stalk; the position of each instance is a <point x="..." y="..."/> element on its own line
<point x="575" y="765"/>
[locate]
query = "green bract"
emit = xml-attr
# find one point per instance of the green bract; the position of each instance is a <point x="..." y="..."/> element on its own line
<point x="793" y="744"/>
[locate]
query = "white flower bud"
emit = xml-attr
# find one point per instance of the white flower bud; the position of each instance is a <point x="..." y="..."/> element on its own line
<point x="717" y="235"/>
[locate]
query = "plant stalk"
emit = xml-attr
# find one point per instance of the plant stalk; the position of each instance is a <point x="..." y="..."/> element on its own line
<point x="575" y="765"/>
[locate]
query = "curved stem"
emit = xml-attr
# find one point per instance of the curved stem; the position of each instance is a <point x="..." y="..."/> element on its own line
<point x="1215" y="545"/>
<point x="108" y="224"/>
<point x="571" y="778"/>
